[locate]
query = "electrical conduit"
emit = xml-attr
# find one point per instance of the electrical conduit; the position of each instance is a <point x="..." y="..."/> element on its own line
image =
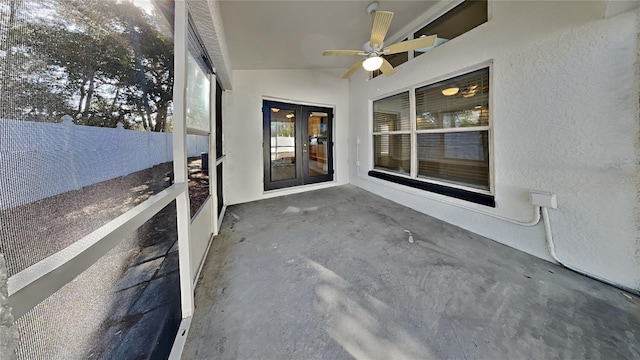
<point x="540" y="212"/>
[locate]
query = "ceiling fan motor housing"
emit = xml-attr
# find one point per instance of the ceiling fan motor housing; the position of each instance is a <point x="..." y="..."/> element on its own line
<point x="369" y="49"/>
<point x="372" y="7"/>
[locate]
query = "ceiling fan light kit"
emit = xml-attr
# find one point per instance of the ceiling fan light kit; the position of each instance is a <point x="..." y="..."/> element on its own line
<point x="450" y="91"/>
<point x="372" y="63"/>
<point x="374" y="49"/>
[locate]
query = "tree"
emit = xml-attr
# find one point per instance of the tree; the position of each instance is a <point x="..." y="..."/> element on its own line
<point x="102" y="61"/>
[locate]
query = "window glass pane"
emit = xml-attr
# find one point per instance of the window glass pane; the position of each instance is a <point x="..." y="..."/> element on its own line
<point x="198" y="164"/>
<point x="124" y="306"/>
<point x="392" y="152"/>
<point x="218" y="121"/>
<point x="458" y="157"/>
<point x="219" y="188"/>
<point x="456" y="22"/>
<point x="392" y="113"/>
<point x="462" y="101"/>
<point x="395" y="60"/>
<point x="85" y="119"/>
<point x="198" y="101"/>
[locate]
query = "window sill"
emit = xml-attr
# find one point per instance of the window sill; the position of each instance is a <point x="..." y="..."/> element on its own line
<point x="474" y="197"/>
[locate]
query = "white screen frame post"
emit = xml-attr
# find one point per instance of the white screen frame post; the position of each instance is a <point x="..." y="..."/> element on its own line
<point x="213" y="170"/>
<point x="180" y="157"/>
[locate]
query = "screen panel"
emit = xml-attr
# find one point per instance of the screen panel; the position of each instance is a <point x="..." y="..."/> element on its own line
<point x="85" y="118"/>
<point x="126" y="305"/>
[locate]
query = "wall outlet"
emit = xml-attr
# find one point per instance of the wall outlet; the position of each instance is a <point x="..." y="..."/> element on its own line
<point x="544" y="199"/>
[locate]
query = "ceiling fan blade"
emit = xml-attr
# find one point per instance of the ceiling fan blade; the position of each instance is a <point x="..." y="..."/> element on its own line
<point x="353" y="69"/>
<point x="386" y="68"/>
<point x="410" y="45"/>
<point x="343" y="52"/>
<point x="381" y="23"/>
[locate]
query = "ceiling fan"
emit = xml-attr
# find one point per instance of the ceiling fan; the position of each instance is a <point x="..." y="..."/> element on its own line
<point x="374" y="48"/>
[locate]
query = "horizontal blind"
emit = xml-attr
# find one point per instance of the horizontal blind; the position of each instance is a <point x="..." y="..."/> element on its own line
<point x="468" y="107"/>
<point x="458" y="157"/>
<point x="392" y="113"/>
<point x="392" y="152"/>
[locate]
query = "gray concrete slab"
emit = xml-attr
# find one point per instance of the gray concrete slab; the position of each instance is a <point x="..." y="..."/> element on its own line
<point x="331" y="274"/>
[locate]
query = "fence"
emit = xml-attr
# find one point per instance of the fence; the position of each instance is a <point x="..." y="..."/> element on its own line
<point x="39" y="160"/>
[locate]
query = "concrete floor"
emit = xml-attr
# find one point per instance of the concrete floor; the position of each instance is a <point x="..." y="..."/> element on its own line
<point x="331" y="274"/>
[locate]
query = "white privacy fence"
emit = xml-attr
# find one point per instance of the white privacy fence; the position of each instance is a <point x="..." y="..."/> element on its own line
<point x="39" y="160"/>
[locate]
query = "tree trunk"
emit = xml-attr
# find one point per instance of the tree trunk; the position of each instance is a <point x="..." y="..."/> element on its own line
<point x="82" y="95"/>
<point x="87" y="103"/>
<point x="161" y="119"/>
<point x="6" y="69"/>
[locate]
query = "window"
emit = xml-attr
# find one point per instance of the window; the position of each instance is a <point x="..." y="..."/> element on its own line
<point x="449" y="138"/>
<point x="392" y="134"/>
<point x="455" y="22"/>
<point x="394" y="59"/>
<point x="198" y="132"/>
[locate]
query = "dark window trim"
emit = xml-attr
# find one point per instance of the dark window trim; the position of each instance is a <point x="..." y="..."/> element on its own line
<point x="474" y="197"/>
<point x="196" y="47"/>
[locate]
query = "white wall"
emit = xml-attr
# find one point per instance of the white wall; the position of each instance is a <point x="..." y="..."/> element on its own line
<point x="40" y="160"/>
<point x="565" y="114"/>
<point x="243" y="176"/>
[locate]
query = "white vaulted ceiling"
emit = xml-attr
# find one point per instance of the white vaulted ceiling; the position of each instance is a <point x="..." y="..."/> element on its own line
<point x="293" y="34"/>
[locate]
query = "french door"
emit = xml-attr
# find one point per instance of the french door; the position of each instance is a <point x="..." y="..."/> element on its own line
<point x="297" y="144"/>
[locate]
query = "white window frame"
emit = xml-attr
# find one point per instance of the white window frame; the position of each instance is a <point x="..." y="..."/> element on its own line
<point x="414" y="131"/>
<point x="393" y="132"/>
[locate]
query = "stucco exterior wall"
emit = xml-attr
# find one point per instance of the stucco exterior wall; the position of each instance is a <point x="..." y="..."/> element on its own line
<point x="243" y="172"/>
<point x="564" y="108"/>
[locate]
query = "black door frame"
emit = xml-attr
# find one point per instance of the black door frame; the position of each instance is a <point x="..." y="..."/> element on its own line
<point x="302" y="113"/>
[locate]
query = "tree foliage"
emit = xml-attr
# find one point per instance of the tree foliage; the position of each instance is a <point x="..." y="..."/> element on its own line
<point x="102" y="62"/>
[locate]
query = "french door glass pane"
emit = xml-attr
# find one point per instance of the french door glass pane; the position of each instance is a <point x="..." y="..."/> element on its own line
<point x="458" y="157"/>
<point x="393" y="152"/>
<point x="283" y="144"/>
<point x="318" y="125"/>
